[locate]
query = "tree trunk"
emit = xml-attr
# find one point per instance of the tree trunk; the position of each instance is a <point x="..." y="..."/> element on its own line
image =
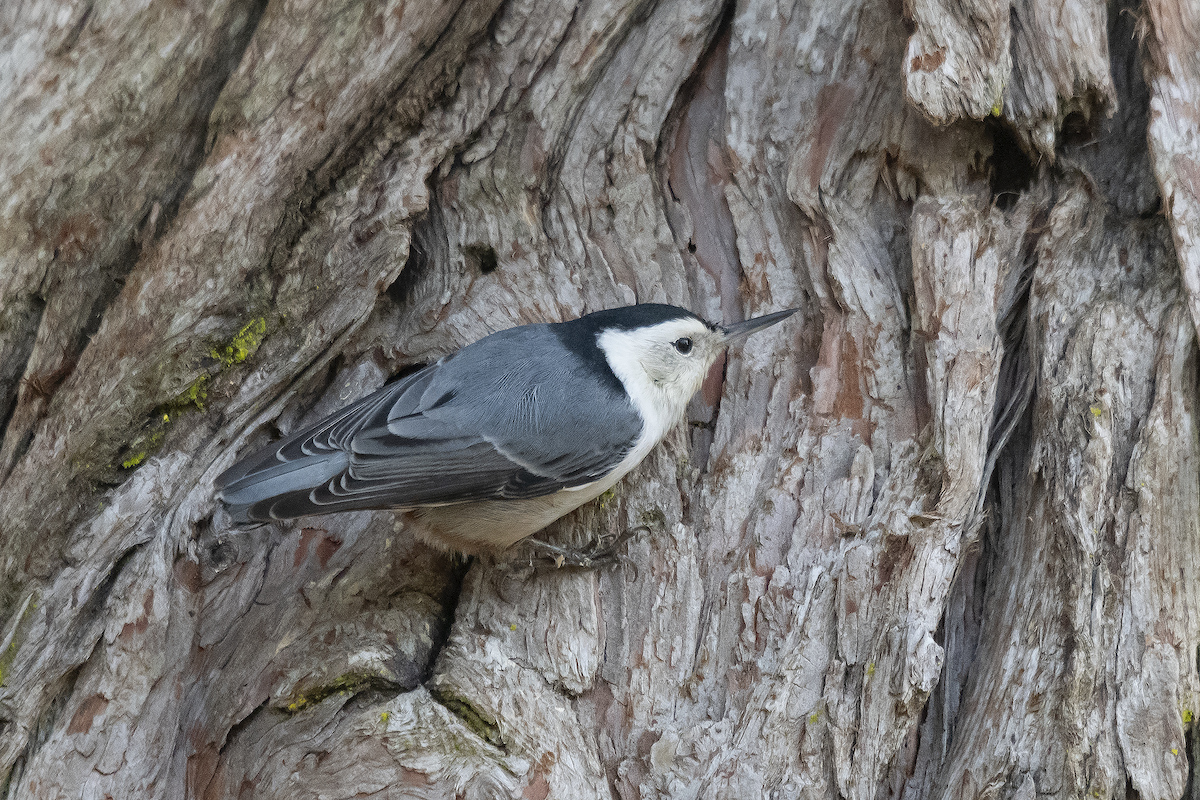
<point x="938" y="536"/>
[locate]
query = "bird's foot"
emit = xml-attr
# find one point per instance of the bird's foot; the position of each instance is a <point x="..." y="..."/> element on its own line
<point x="602" y="551"/>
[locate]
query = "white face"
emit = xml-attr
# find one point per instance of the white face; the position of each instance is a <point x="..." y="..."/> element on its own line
<point x="662" y="366"/>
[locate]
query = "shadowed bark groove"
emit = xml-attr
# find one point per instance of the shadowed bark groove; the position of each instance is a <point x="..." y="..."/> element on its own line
<point x="940" y="541"/>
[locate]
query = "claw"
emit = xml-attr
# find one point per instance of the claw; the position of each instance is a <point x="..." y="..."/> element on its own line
<point x="602" y="552"/>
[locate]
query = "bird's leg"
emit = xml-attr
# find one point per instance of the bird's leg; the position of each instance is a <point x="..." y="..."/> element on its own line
<point x="601" y="552"/>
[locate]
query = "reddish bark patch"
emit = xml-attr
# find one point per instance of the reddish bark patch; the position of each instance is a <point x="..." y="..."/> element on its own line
<point x="538" y="788"/>
<point x="216" y="786"/>
<point x="413" y="777"/>
<point x="833" y="101"/>
<point x="1189" y="174"/>
<point x="928" y="62"/>
<point x="143" y="621"/>
<point x="326" y="548"/>
<point x="849" y="403"/>
<point x="43" y="384"/>
<point x="837" y="379"/>
<point x="201" y="766"/>
<point x="897" y="555"/>
<point x="81" y="722"/>
<point x="187" y="572"/>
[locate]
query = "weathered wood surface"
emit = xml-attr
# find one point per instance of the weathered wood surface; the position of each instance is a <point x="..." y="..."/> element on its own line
<point x="935" y="537"/>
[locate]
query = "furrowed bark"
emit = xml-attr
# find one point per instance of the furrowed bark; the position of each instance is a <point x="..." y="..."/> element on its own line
<point x="932" y="537"/>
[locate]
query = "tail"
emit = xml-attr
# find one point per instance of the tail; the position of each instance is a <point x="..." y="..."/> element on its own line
<point x="265" y="487"/>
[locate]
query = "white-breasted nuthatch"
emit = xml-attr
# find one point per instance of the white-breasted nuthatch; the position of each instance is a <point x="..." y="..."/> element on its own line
<point x="494" y="442"/>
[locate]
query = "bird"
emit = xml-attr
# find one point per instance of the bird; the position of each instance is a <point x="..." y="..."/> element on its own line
<point x="492" y="443"/>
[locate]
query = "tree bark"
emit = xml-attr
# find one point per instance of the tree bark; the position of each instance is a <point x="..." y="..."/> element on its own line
<point x="937" y="536"/>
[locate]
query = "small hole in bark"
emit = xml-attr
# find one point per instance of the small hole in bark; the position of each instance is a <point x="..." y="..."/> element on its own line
<point x="1076" y="131"/>
<point x="480" y="257"/>
<point x="420" y="256"/>
<point x="1011" y="170"/>
<point x="222" y="554"/>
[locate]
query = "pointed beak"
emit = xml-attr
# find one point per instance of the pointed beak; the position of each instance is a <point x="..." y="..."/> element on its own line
<point x="740" y="330"/>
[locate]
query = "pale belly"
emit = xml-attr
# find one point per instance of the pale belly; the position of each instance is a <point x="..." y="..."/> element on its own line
<point x="494" y="525"/>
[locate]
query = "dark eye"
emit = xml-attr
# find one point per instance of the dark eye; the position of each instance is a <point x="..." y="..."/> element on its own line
<point x="683" y="345"/>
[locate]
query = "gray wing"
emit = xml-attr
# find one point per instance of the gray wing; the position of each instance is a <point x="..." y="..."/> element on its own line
<point x="470" y="427"/>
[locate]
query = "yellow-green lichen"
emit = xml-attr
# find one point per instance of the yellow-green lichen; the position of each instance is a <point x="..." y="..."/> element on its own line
<point x="242" y="345"/>
<point x="1188" y="716"/>
<point x="608" y="497"/>
<point x="349" y="684"/>
<point x="236" y="351"/>
<point x="193" y="396"/>
<point x="145" y="444"/>
<point x="384" y="716"/>
<point x="814" y="718"/>
<point x="134" y="460"/>
<point x="998" y="99"/>
<point x="870" y="669"/>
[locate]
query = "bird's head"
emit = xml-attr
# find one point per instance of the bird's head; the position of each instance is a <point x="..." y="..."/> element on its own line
<point x="666" y="357"/>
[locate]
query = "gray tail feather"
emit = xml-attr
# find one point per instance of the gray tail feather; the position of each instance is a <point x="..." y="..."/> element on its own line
<point x="249" y="498"/>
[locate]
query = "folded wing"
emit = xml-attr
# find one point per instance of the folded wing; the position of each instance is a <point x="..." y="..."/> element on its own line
<point x="468" y="428"/>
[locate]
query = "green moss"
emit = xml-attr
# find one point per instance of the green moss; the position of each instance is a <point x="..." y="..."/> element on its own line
<point x="480" y="725"/>
<point x="137" y="458"/>
<point x="351" y="683"/>
<point x="194" y="395"/>
<point x="242" y="345"/>
<point x="608" y="497"/>
<point x="151" y="438"/>
<point x="236" y="351"/>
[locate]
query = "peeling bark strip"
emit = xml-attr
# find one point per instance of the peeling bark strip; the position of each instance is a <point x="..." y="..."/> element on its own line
<point x="1173" y="73"/>
<point x="939" y="541"/>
